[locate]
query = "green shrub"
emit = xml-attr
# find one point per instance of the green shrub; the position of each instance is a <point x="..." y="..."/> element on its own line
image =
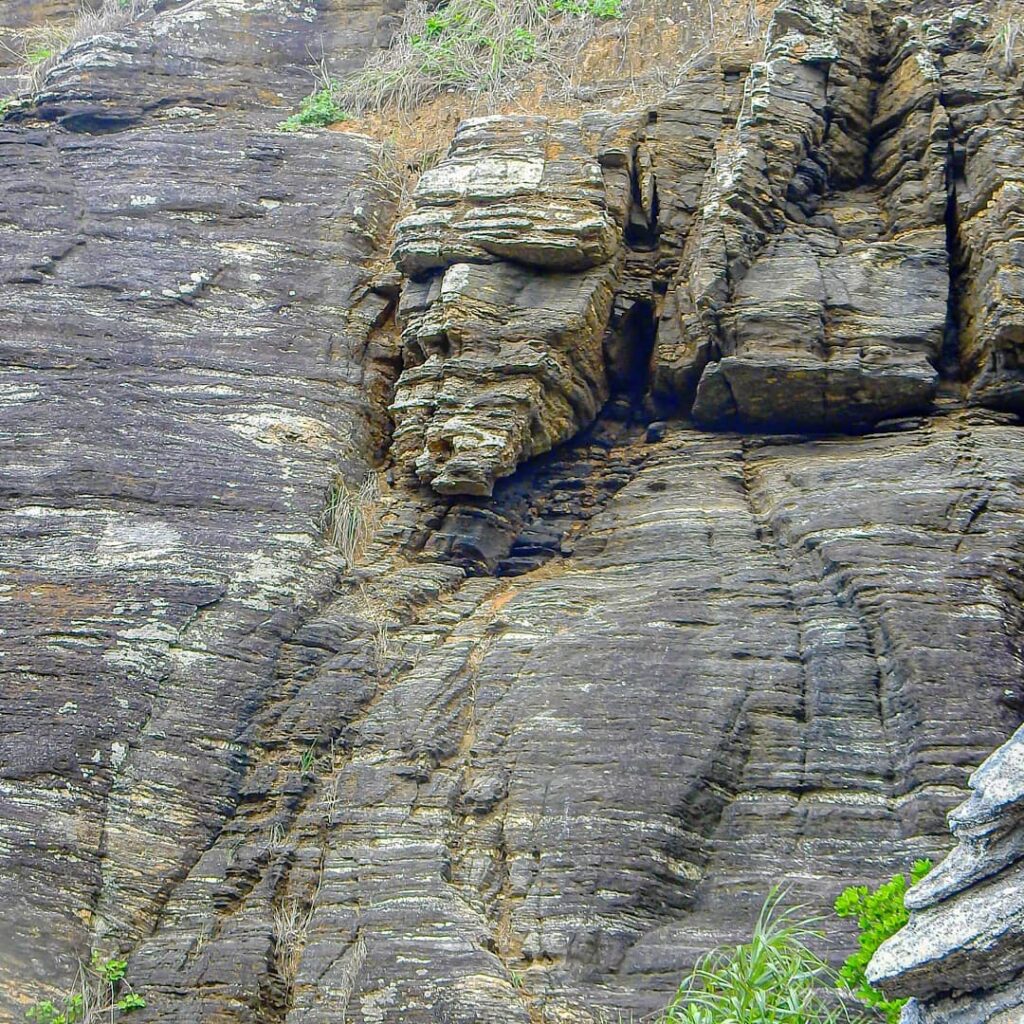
<point x="97" y="996"/>
<point x="772" y="979"/>
<point x="316" y="110"/>
<point x="879" y="914"/>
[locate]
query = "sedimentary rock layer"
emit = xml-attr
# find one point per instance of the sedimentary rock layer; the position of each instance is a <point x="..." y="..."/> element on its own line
<point x="564" y="722"/>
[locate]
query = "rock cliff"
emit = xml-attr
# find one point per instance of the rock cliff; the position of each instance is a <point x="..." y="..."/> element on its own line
<point x="699" y="538"/>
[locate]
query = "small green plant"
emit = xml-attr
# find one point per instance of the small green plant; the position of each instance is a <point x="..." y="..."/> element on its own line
<point x="880" y="914"/>
<point x="37" y="54"/>
<point x="307" y="763"/>
<point x="97" y="996"/>
<point x="774" y="978"/>
<point x="319" y="108"/>
<point x="604" y="9"/>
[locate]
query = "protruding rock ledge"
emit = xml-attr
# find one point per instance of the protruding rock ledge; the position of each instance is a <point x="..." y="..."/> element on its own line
<point x="514" y="253"/>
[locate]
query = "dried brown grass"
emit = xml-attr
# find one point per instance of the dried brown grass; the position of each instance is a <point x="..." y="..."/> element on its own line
<point x="41" y="47"/>
<point x="616" y="64"/>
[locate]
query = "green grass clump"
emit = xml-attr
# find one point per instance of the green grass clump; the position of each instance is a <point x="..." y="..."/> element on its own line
<point x="316" y="110"/>
<point x="775" y="978"/>
<point x="880" y="914"/>
<point x="100" y="994"/>
<point x="581" y="8"/>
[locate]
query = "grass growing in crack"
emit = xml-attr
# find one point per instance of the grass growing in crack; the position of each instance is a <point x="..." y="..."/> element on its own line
<point x="1008" y="23"/>
<point x="475" y="46"/>
<point x="100" y="993"/>
<point x="291" y="927"/>
<point x="351" y="517"/>
<point x="775" y="978"/>
<point x="307" y="762"/>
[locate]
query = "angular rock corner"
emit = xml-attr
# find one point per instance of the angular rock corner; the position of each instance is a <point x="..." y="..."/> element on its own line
<point x="478" y="636"/>
<point x="960" y="956"/>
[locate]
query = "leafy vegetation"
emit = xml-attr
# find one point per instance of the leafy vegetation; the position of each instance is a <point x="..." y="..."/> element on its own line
<point x="101" y="993"/>
<point x="775" y="978"/>
<point x="477" y="46"/>
<point x="880" y="914"/>
<point x="319" y="108"/>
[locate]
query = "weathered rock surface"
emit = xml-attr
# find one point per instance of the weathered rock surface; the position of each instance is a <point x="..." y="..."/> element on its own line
<point x="503" y="360"/>
<point x="966" y="929"/>
<point x="571" y="714"/>
<point x="814" y="292"/>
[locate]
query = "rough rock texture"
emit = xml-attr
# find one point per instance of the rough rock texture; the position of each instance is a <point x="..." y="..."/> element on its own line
<point x="503" y="360"/>
<point x="815" y="288"/>
<point x="966" y="929"/>
<point x="600" y="679"/>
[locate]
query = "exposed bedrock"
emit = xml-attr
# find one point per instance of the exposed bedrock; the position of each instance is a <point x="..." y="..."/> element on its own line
<point x="514" y="255"/>
<point x="815" y="284"/>
<point x="600" y="679"/>
<point x="188" y="356"/>
<point x="960" y="955"/>
<point x="807" y="243"/>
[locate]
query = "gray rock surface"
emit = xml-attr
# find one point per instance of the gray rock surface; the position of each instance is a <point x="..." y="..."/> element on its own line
<point x="603" y="675"/>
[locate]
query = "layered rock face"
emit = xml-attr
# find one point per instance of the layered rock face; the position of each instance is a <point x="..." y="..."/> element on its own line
<point x="601" y="678"/>
<point x="960" y="955"/>
<point x="503" y="362"/>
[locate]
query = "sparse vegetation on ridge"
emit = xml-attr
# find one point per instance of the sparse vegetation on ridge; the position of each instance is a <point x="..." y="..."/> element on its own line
<point x="475" y="46"/>
<point x="318" y="109"/>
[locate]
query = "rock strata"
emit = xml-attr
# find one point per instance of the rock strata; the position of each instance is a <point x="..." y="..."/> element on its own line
<point x="619" y="655"/>
<point x="514" y="255"/>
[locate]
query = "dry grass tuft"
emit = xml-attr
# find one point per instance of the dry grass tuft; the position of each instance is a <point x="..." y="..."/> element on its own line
<point x="291" y="928"/>
<point x="1005" y="48"/>
<point x="352" y="516"/>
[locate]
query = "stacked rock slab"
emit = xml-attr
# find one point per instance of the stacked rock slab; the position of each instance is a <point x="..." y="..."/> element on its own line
<point x="816" y="283"/>
<point x="966" y="929"/>
<point x="513" y="253"/>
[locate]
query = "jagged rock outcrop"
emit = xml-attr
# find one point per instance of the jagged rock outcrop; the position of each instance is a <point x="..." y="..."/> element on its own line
<point x="604" y="674"/>
<point x="962" y="954"/>
<point x="815" y="289"/>
<point x="514" y="255"/>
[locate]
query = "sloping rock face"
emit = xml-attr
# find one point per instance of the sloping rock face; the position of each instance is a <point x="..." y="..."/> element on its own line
<point x="967" y="918"/>
<point x="601" y="678"/>
<point x="186" y="360"/>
